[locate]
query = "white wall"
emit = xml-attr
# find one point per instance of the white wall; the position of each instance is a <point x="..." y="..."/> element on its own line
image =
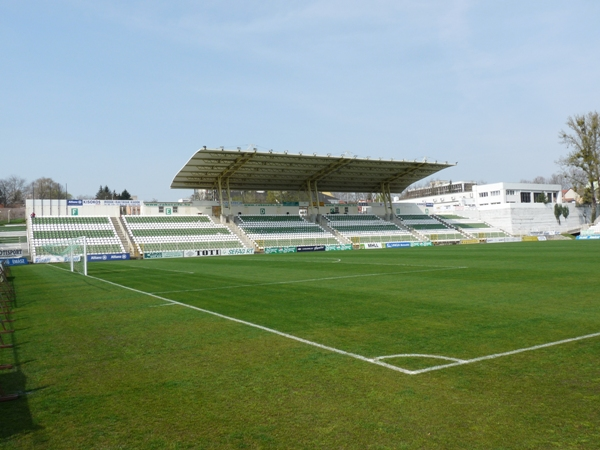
<point x="521" y="219"/>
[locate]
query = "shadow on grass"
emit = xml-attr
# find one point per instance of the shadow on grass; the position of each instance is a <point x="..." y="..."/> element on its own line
<point x="16" y="415"/>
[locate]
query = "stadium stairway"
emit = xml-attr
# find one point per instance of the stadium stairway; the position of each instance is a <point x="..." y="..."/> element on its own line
<point x="415" y="233"/>
<point x="320" y="220"/>
<point x="465" y="233"/>
<point x="126" y="240"/>
<point x="249" y="243"/>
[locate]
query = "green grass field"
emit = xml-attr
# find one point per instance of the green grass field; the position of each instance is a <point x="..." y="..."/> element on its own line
<point x="147" y="354"/>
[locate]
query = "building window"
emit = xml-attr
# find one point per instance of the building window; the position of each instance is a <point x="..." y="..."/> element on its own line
<point x="483" y="194"/>
<point x="175" y="209"/>
<point x="161" y="209"/>
<point x="525" y="197"/>
<point x="510" y="192"/>
<point x="494" y="193"/>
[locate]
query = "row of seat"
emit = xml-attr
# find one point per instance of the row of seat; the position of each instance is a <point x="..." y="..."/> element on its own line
<point x="72" y="234"/>
<point x="70" y="220"/>
<point x="180" y="246"/>
<point x="175" y="232"/>
<point x="166" y="219"/>
<point x="274" y="218"/>
<point x="53" y="234"/>
<point x="351" y="217"/>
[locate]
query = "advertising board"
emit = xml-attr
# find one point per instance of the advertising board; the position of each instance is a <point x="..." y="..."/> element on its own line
<point x="108" y="257"/>
<point x="310" y="248"/>
<point x="397" y="244"/>
<point x="15" y="261"/>
<point x="590" y="236"/>
<point x="237" y="251"/>
<point x="157" y="255"/>
<point x="270" y="250"/>
<point x="337" y="247"/>
<point x="11" y="253"/>
<point x="54" y="259"/>
<point x="421" y="244"/>
<point x="199" y="253"/>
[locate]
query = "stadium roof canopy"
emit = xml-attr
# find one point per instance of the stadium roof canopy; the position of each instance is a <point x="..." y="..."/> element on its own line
<point x="245" y="170"/>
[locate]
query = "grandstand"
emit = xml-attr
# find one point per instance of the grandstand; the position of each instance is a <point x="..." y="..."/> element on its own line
<point x="283" y="230"/>
<point x="49" y="234"/>
<point x="367" y="228"/>
<point x="178" y="233"/>
<point x="430" y="228"/>
<point x="474" y="228"/>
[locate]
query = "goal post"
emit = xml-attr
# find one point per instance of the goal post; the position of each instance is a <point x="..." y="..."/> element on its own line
<point x="74" y="252"/>
<point x="78" y="255"/>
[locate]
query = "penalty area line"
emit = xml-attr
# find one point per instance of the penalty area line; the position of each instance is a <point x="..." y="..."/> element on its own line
<point x="260" y="327"/>
<point x="376" y="361"/>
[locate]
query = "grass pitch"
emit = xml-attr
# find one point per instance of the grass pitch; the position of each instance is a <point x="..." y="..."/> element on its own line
<point x="109" y="361"/>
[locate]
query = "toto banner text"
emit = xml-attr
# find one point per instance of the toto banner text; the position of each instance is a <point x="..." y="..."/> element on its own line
<point x="311" y="248"/>
<point x="194" y="253"/>
<point x="108" y="257"/>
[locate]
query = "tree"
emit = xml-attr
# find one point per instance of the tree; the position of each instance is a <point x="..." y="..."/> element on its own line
<point x="104" y="193"/>
<point x="46" y="188"/>
<point x="557" y="212"/>
<point x="584" y="142"/>
<point x="12" y="191"/>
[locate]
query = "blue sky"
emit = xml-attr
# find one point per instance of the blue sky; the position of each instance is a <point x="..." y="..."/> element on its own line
<point x="123" y="93"/>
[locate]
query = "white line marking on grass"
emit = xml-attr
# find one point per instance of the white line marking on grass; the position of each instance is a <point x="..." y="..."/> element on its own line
<point x="162" y="304"/>
<point x="377" y="361"/>
<point x="512" y="352"/>
<point x="254" y="325"/>
<point x="307" y="280"/>
<point x="418" y="355"/>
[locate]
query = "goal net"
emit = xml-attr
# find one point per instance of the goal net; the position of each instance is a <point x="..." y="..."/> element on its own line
<point x="73" y="252"/>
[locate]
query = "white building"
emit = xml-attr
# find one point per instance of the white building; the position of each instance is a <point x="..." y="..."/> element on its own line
<point x="517" y="193"/>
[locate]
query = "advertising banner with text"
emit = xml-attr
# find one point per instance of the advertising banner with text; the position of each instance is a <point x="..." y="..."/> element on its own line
<point x="109" y="257"/>
<point x="421" y="244"/>
<point x="11" y="253"/>
<point x="157" y="255"/>
<point x="15" y="261"/>
<point x="270" y="250"/>
<point x="310" y="248"/>
<point x="336" y="247"/>
<point x="397" y="244"/>
<point x="54" y="259"/>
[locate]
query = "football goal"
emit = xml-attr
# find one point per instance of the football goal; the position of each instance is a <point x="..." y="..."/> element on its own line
<point x="72" y="251"/>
